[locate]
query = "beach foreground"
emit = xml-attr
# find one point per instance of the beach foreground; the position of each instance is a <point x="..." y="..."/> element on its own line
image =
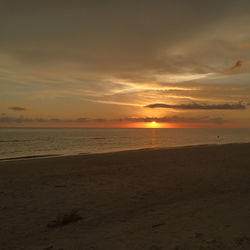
<point x="177" y="199"/>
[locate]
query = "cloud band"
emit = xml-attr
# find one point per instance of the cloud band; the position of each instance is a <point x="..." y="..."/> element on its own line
<point x="197" y="106"/>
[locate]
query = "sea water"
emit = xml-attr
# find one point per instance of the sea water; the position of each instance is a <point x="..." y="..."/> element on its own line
<point x="33" y="142"/>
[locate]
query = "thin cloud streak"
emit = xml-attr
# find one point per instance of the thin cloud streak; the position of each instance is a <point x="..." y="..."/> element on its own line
<point x="116" y="103"/>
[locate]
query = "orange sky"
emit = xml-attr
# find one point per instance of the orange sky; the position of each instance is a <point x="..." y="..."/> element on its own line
<point x="124" y="64"/>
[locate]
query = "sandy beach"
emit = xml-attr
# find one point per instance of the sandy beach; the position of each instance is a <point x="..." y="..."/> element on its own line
<point x="175" y="199"/>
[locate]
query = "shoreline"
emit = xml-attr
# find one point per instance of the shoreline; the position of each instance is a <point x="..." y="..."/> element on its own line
<point x="48" y="156"/>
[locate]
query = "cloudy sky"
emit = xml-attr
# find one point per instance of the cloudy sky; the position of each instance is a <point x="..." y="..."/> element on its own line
<point x="125" y="63"/>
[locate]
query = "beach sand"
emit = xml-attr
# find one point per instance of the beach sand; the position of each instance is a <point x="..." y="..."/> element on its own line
<point x="178" y="199"/>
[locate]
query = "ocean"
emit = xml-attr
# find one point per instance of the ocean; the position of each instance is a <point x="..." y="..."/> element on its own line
<point x="41" y="142"/>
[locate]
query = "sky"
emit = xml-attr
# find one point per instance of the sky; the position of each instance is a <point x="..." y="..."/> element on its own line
<point x="125" y="63"/>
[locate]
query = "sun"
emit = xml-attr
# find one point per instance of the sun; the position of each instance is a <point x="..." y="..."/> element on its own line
<point x="152" y="124"/>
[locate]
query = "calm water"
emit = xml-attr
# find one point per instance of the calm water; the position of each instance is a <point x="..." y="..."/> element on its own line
<point x="34" y="142"/>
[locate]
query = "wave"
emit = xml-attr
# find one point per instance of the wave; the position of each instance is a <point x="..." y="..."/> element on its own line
<point x="2" y="141"/>
<point x="29" y="157"/>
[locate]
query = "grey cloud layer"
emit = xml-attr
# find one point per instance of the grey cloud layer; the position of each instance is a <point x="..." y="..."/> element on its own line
<point x="165" y="119"/>
<point x="17" y="108"/>
<point x="127" y="39"/>
<point x="197" y="106"/>
<point x="118" y="37"/>
<point x="179" y="119"/>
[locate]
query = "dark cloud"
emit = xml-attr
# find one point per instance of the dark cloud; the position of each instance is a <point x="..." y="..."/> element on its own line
<point x="178" y="119"/>
<point x="21" y="119"/>
<point x="165" y="119"/>
<point x="237" y="65"/>
<point x="197" y="106"/>
<point x="17" y="108"/>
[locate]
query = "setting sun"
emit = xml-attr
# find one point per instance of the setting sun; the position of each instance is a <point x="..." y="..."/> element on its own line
<point x="153" y="124"/>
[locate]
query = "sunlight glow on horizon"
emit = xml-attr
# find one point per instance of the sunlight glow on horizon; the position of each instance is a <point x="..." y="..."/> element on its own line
<point x="153" y="124"/>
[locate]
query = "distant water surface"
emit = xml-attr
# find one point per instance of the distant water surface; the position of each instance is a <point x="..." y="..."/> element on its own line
<point x="24" y="142"/>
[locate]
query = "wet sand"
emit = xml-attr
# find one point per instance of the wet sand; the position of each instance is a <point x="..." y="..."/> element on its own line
<point x="179" y="199"/>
